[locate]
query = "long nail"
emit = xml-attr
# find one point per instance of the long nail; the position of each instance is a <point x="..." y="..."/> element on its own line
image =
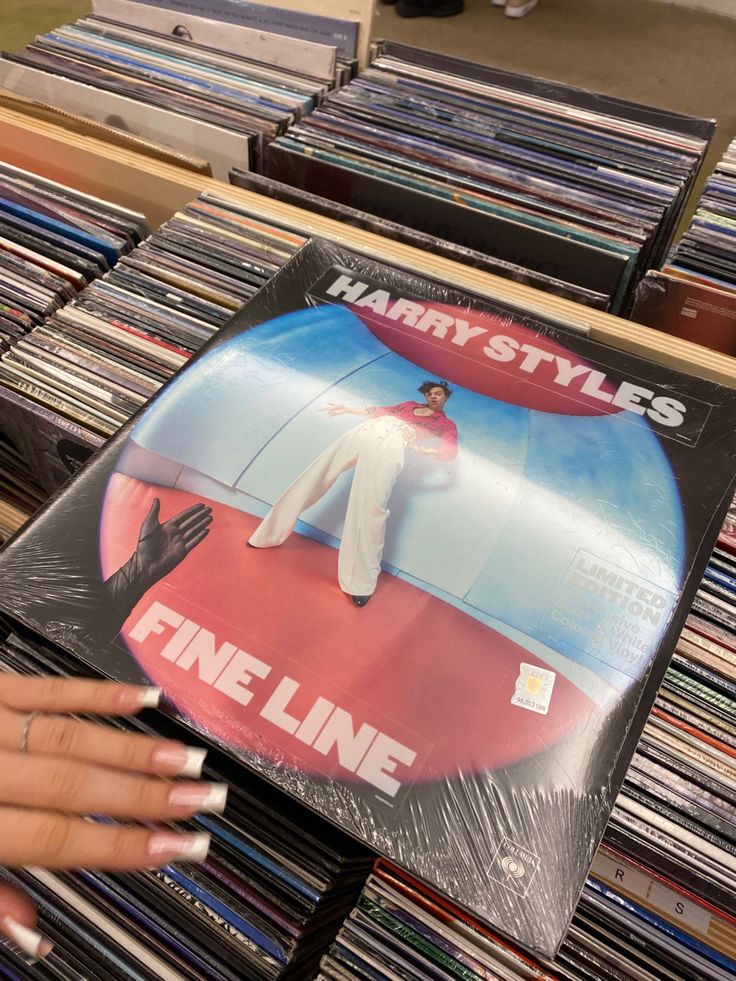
<point x="209" y="797"/>
<point x="165" y="847"/>
<point x="131" y="699"/>
<point x="30" y="941"/>
<point x="181" y="761"/>
<point x="149" y="697"/>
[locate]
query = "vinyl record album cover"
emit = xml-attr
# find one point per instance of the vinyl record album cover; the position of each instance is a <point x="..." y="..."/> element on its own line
<point x="417" y="557"/>
<point x="694" y="311"/>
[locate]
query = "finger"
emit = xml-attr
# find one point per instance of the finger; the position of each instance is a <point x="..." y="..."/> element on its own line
<point x="75" y="695"/>
<point x="194" y="527"/>
<point x="76" y="787"/>
<point x="191" y="543"/>
<point x="196" y="523"/>
<point x="198" y="532"/>
<point x="56" y="735"/>
<point x="183" y="516"/>
<point x="55" y="841"/>
<point x="18" y="919"/>
<point x="153" y="511"/>
<point x="15" y="904"/>
<point x="183" y="539"/>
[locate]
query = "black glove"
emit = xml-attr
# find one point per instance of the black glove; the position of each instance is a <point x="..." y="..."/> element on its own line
<point x="160" y="549"/>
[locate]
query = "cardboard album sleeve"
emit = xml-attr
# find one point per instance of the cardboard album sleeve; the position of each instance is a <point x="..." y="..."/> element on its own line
<point x="418" y="558"/>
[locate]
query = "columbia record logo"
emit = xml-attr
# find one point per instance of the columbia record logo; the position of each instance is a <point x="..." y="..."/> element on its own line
<point x="514" y="866"/>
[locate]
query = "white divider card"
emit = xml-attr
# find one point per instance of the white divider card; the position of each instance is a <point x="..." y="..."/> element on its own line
<point x="295" y="54"/>
<point x="298" y="22"/>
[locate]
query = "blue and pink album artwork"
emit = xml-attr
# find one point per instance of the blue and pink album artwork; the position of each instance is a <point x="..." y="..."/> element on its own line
<point x="416" y="557"/>
<point x="524" y="573"/>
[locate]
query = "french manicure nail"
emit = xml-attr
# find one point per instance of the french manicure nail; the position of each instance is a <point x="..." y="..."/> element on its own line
<point x="167" y="847"/>
<point x="185" y="761"/>
<point x="210" y="797"/>
<point x="30" y="941"/>
<point x="131" y="698"/>
<point x="149" y="697"/>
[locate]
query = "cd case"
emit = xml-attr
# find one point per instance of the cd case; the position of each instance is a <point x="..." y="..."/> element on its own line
<point x="415" y="556"/>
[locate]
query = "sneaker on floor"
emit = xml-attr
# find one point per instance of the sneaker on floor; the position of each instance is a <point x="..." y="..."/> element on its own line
<point x="519" y="8"/>
<point x="498" y="3"/>
<point x="429" y="8"/>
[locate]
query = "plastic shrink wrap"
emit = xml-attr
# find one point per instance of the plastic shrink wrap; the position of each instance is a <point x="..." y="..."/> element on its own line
<point x="454" y="652"/>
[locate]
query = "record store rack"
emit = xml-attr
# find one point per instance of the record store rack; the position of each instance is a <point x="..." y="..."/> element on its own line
<point x="570" y="191"/>
<point x="659" y="902"/>
<point x="692" y="295"/>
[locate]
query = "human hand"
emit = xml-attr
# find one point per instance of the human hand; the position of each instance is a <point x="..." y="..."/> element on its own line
<point x="335" y="409"/>
<point x="54" y="769"/>
<point x="161" y="547"/>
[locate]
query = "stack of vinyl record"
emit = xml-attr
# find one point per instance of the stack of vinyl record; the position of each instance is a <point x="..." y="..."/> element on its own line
<point x="727" y="538"/>
<point x="264" y="904"/>
<point x="673" y="890"/>
<point x="401" y="929"/>
<point x="705" y="253"/>
<point x="426" y="241"/>
<point x="98" y="360"/>
<point x="214" y="90"/>
<point x="694" y="294"/>
<point x="582" y="188"/>
<point x="154" y="306"/>
<point x="53" y="242"/>
<point x="633" y="923"/>
<point x="20" y="492"/>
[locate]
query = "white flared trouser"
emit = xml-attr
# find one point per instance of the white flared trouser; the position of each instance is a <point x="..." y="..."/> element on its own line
<point x="376" y="449"/>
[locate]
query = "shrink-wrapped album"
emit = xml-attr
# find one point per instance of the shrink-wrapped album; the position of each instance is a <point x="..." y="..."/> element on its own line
<point x="417" y="557"/>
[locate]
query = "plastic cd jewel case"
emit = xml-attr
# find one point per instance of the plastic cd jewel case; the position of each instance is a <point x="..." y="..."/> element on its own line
<point x="418" y="558"/>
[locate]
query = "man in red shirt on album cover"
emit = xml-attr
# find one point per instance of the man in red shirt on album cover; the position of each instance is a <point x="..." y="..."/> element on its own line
<point x="376" y="450"/>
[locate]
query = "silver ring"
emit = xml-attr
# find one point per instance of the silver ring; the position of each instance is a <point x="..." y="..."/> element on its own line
<point x="25" y="732"/>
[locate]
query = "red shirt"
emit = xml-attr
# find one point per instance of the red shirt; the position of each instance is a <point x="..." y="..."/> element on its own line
<point x="434" y="426"/>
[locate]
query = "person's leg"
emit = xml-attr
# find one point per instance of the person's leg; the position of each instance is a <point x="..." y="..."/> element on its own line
<point x="361" y="548"/>
<point x="306" y="490"/>
<point x="429" y="8"/>
<point x="519" y="8"/>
